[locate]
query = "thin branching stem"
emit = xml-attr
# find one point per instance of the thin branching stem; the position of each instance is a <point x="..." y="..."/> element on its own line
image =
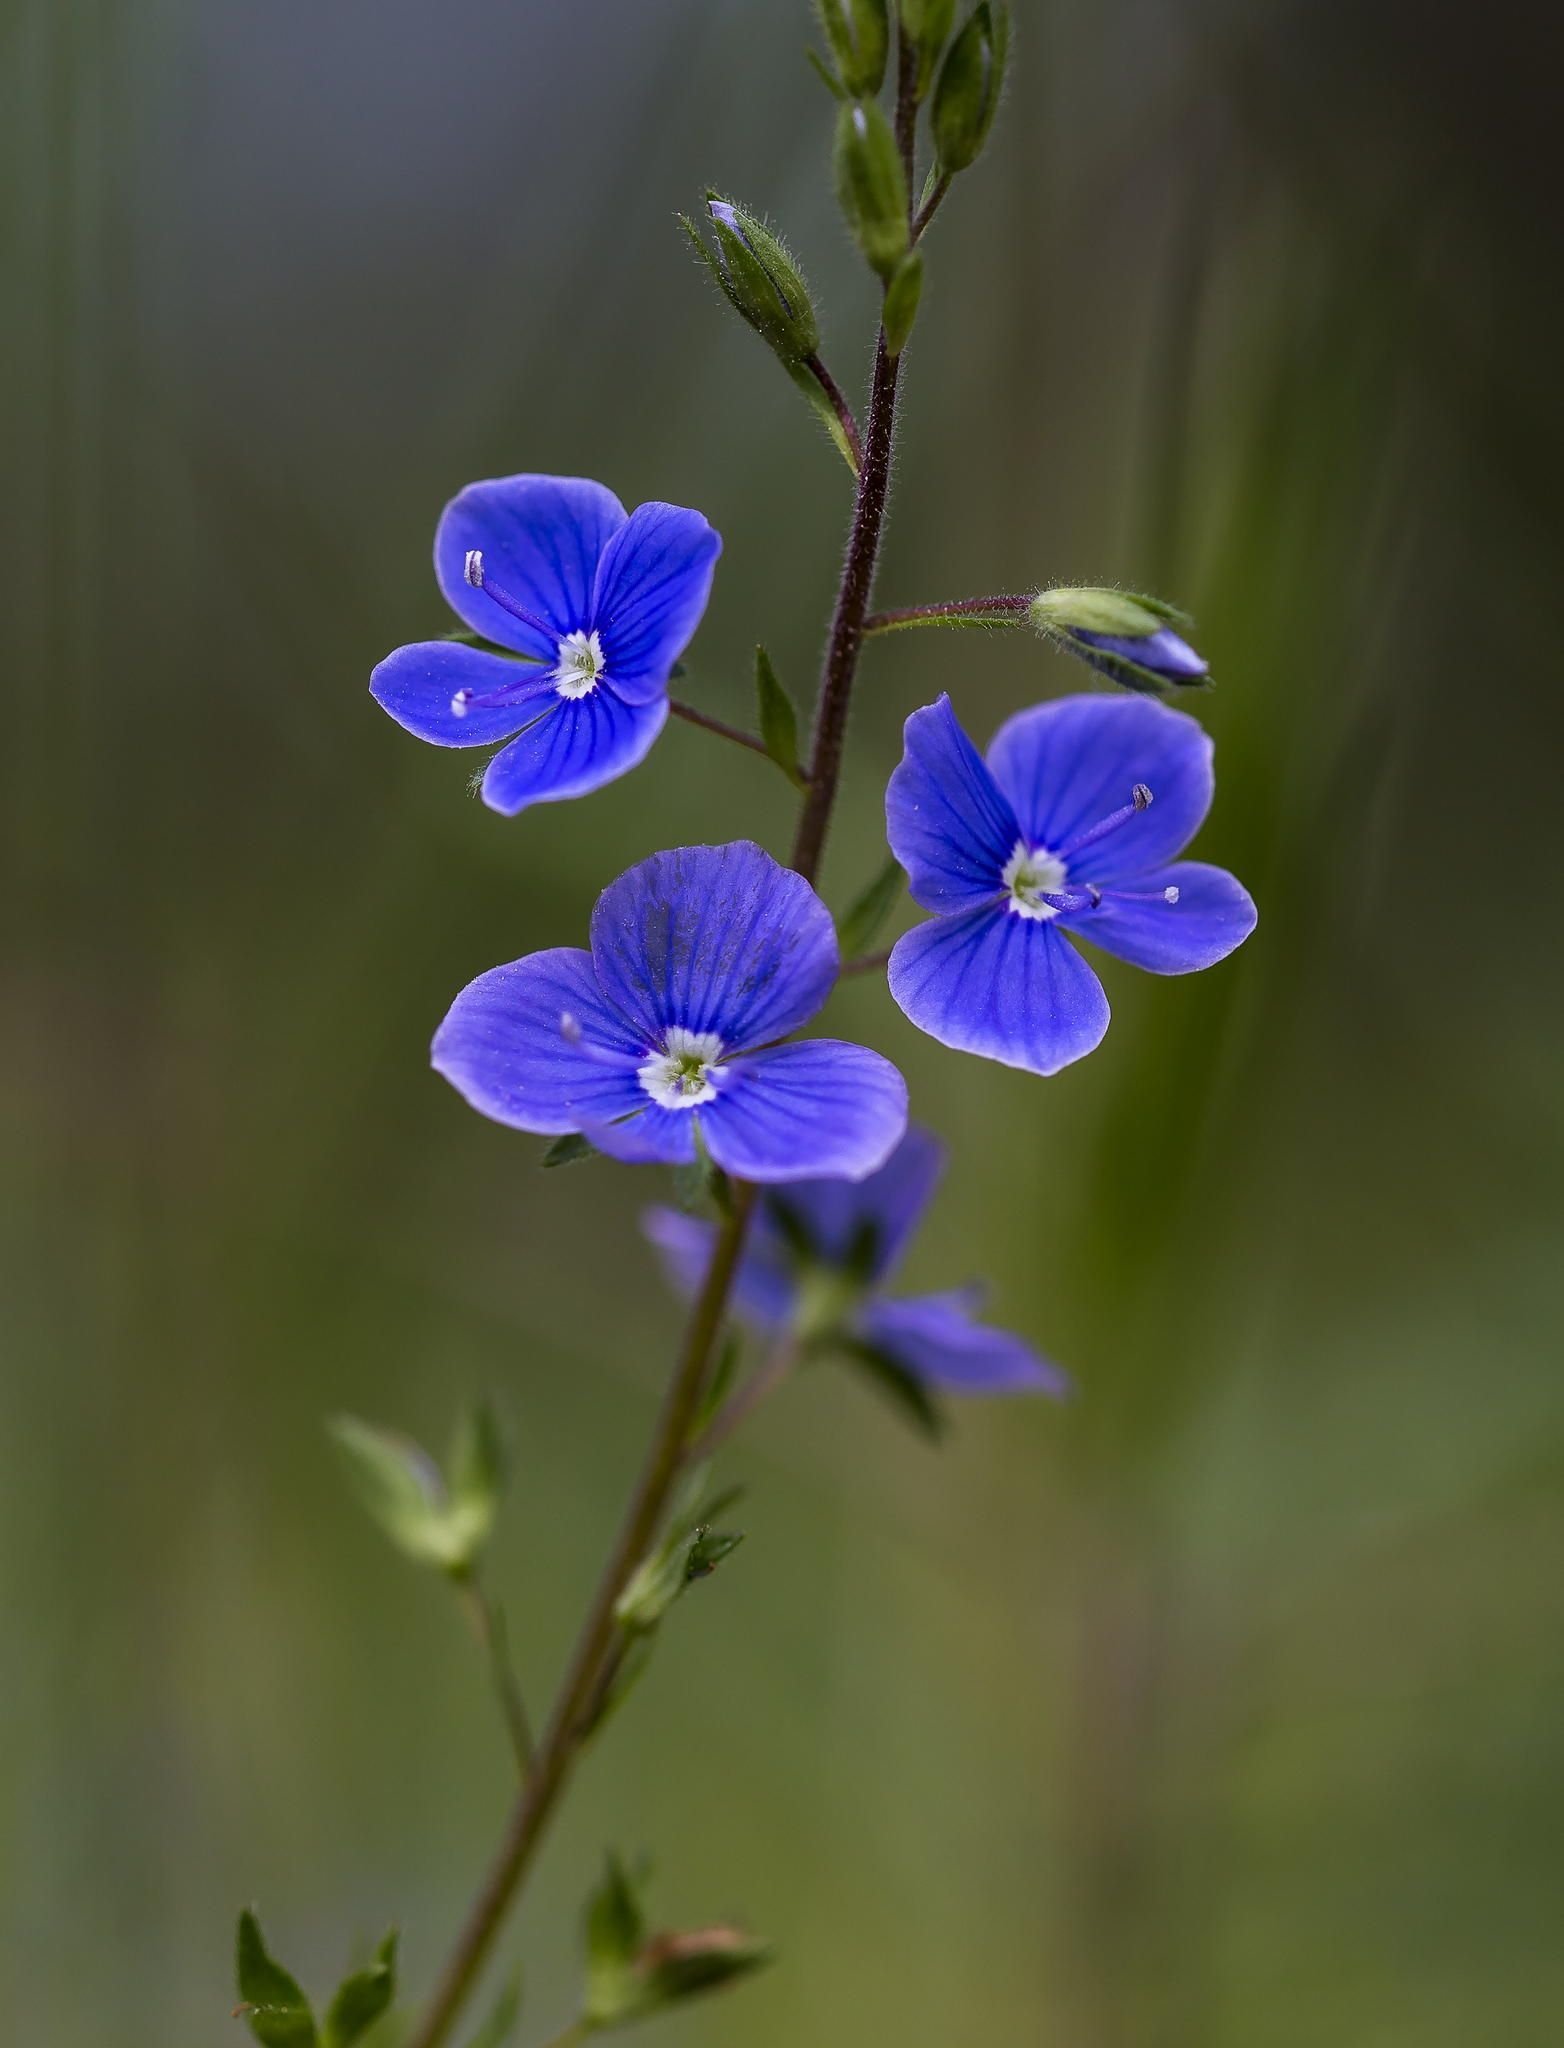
<point x="839" y="406"/>
<point x="487" y="1620"/>
<point x="707" y="723"/>
<point x="1007" y="610"/>
<point x="599" y="1637"/>
<point x="866" y="963"/>
<point x="742" y="1403"/>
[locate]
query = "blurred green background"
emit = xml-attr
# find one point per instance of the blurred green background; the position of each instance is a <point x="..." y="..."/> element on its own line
<point x="1219" y="1709"/>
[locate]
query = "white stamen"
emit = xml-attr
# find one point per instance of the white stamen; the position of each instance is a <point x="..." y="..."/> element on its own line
<point x="1140" y="797"/>
<point x="1029" y="874"/>
<point x="472" y="567"/>
<point x="579" y="669"/>
<point x="684" y="1074"/>
<point x="570" y="1027"/>
<point x="1170" y="895"/>
<point x="460" y="702"/>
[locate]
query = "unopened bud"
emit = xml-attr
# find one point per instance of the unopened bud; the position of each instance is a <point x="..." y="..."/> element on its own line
<point x="970" y="81"/>
<point x="1125" y="636"/>
<point x="759" y="278"/>
<point x="872" y="186"/>
<point x="927" y="24"/>
<point x="859" y="33"/>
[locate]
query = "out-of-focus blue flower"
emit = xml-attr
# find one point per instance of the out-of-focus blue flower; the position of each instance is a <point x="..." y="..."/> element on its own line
<point x="701" y="959"/>
<point x="819" y="1253"/>
<point x="598" y="607"/>
<point x="1070" y="829"/>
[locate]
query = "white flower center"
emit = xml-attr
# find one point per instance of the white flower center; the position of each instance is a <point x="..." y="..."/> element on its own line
<point x="1032" y="872"/>
<point x="579" y="669"/>
<point x="681" y="1075"/>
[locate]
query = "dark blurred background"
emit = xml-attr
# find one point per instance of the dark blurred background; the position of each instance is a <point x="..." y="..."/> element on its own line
<point x="1219" y="1709"/>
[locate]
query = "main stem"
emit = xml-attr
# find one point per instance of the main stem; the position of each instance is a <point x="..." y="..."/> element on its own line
<point x="559" y="1747"/>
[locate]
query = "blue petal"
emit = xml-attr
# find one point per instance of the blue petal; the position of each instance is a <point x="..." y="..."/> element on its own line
<point x="652" y="1136"/>
<point x="1163" y="652"/>
<point x="715" y="938"/>
<point x="934" y="1337"/>
<point x="763" y="1287"/>
<point x="1213" y="915"/>
<point x="501" y="1046"/>
<point x="416" y="685"/>
<point x="797" y="1111"/>
<point x="1069" y="764"/>
<point x="834" y="1214"/>
<point x="1011" y="988"/>
<point x="541" y="538"/>
<point x="946" y="821"/>
<point x="577" y="746"/>
<point x="651" y="590"/>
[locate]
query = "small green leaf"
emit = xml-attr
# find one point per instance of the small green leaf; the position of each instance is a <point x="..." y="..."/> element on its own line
<point x="859" y="34"/>
<point x="566" y="1151"/>
<point x="477" y="1470"/>
<point x="861" y="923"/>
<point x="825" y="411"/>
<point x="778" y="719"/>
<point x="277" y="2010"/>
<point x="827" y="76"/>
<point x="901" y="302"/>
<point x="679" y="1966"/>
<point x="615" y="1930"/>
<point x="721" y="1382"/>
<point x="362" y="1997"/>
<point x="503" y="2015"/>
<point x="904" y="1389"/>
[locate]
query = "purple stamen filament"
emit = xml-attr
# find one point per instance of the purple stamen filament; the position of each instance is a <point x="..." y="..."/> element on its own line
<point x="473" y="571"/>
<point x="1140" y="800"/>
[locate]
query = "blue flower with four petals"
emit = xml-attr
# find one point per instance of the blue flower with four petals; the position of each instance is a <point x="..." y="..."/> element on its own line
<point x="1070" y="829"/>
<point x="820" y="1251"/>
<point x="595" y="608"/>
<point x="702" y="960"/>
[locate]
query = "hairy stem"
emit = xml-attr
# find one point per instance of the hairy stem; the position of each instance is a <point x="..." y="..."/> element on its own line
<point x="866" y="963"/>
<point x="1008" y="610"/>
<point x="723" y="731"/>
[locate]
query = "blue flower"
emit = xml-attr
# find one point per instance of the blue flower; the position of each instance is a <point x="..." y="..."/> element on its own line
<point x="1070" y="829"/>
<point x="598" y="607"/>
<point x="819" y="1253"/>
<point x="701" y="959"/>
<point x="1168" y="658"/>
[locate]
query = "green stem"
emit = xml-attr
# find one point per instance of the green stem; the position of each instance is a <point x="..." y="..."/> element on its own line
<point x="488" y="1625"/>
<point x="707" y="723"/>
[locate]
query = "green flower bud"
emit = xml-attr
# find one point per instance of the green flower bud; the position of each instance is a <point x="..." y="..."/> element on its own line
<point x="871" y="185"/>
<point x="859" y="34"/>
<point x="1121" y="634"/>
<point x="758" y="277"/>
<point x="927" y="24"/>
<point x="967" y="96"/>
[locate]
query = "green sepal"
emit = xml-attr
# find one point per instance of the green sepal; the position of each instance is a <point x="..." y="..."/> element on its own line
<point x="405" y="1493"/>
<point x="691" y="1548"/>
<point x="927" y="24"/>
<point x="901" y="301"/>
<point x="871" y="185"/>
<point x="906" y="1392"/>
<point x="503" y="2015"/>
<point x="864" y="918"/>
<point x="276" y="2008"/>
<point x="1098" y="609"/>
<point x="758" y="275"/>
<point x="629" y="1976"/>
<point x="362" y="1997"/>
<point x="820" y="402"/>
<point x="859" y="33"/>
<point x="568" y="1151"/>
<point x="970" y="82"/>
<point x="778" y="719"/>
<point x="827" y="76"/>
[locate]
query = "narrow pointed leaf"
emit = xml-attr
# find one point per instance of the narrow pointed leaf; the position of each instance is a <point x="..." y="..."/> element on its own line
<point x="778" y="719"/>
<point x="276" y="2008"/>
<point x="864" y="919"/>
<point x="568" y="1150"/>
<point x="361" y="1998"/>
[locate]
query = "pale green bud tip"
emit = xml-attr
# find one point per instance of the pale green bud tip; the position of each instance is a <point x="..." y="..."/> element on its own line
<point x="1093" y="611"/>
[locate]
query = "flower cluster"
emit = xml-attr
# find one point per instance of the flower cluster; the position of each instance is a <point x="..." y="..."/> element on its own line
<point x="668" y="1039"/>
